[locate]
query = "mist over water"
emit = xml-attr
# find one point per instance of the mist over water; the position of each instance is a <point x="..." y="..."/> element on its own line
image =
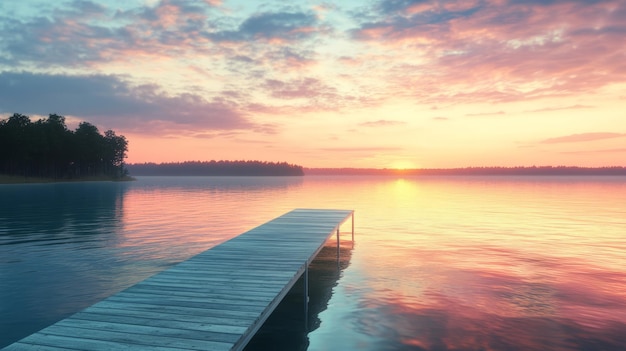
<point x="451" y="263"/>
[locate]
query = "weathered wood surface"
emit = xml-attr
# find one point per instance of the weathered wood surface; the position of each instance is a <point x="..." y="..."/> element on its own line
<point x="216" y="300"/>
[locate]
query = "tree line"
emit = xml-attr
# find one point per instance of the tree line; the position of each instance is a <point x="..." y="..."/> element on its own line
<point x="46" y="148"/>
<point x="475" y="171"/>
<point x="216" y="168"/>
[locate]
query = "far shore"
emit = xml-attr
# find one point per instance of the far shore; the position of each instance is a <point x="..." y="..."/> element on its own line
<point x="475" y="171"/>
<point x="8" y="179"/>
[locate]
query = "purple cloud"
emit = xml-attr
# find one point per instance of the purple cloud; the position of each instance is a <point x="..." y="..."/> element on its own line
<point x="110" y="100"/>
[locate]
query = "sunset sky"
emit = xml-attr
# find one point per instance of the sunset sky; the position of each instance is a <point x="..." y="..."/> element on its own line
<point x="391" y="83"/>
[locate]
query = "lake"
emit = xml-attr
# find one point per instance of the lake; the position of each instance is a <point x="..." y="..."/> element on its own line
<point x="438" y="263"/>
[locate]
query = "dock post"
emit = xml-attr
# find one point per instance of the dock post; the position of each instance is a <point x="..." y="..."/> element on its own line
<point x="353" y="226"/>
<point x="337" y="247"/>
<point x="306" y="296"/>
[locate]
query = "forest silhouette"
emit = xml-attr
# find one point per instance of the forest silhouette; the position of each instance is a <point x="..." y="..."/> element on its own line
<point x="475" y="171"/>
<point x="216" y="168"/>
<point x="48" y="149"/>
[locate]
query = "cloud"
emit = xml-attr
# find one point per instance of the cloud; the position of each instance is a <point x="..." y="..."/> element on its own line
<point x="441" y="118"/>
<point x="84" y="9"/>
<point x="604" y="151"/>
<point x="261" y="50"/>
<point x="318" y="58"/>
<point x="558" y="108"/>
<point x="305" y="95"/>
<point x="584" y="137"/>
<point x="51" y="41"/>
<point x="83" y="33"/>
<point x="281" y="26"/>
<point x="288" y="59"/>
<point x="299" y="88"/>
<point x="483" y="114"/>
<point x="497" y="51"/>
<point x="110" y="100"/>
<point x="382" y="123"/>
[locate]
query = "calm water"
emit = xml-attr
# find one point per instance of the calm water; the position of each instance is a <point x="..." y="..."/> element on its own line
<point x="458" y="263"/>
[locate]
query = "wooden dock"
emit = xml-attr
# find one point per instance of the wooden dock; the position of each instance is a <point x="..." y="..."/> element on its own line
<point x="216" y="300"/>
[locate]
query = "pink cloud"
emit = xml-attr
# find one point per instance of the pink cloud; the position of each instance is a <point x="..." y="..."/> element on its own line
<point x="505" y="52"/>
<point x="558" y="108"/>
<point x="299" y="88"/>
<point x="484" y="114"/>
<point x="603" y="151"/>
<point x="475" y="51"/>
<point x="584" y="137"/>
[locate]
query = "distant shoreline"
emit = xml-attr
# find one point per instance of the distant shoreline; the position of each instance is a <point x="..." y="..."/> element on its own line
<point x="9" y="179"/>
<point x="470" y="171"/>
<point x="258" y="168"/>
<point x="215" y="168"/>
<point x="474" y="171"/>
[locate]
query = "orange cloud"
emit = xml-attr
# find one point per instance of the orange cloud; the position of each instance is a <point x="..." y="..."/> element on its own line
<point x="584" y="137"/>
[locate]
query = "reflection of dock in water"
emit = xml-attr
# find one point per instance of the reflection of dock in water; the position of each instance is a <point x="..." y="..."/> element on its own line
<point x="215" y="300"/>
<point x="286" y="328"/>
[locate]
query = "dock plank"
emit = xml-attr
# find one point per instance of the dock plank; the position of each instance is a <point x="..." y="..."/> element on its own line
<point x="192" y="311"/>
<point x="85" y="339"/>
<point x="161" y="315"/>
<point x="216" y="300"/>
